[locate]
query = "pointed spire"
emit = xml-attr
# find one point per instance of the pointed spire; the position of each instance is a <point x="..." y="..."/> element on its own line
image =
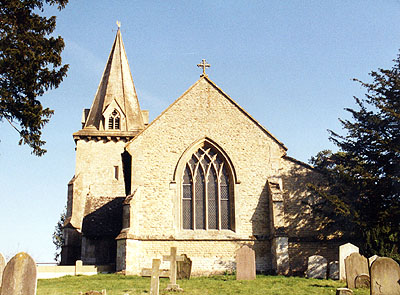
<point x="116" y="94"/>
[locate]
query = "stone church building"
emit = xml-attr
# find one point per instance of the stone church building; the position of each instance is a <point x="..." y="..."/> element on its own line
<point x="203" y="176"/>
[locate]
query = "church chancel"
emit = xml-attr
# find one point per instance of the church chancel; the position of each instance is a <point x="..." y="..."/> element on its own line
<point x="204" y="176"/>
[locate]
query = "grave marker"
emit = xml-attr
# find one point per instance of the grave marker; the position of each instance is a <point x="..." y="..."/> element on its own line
<point x="2" y="265"/>
<point x="317" y="267"/>
<point x="372" y="259"/>
<point x="245" y="263"/>
<point x="333" y="270"/>
<point x="356" y="264"/>
<point x="184" y="268"/>
<point x="385" y="277"/>
<point x="344" y="251"/>
<point x="19" y="276"/>
<point x="173" y="258"/>
<point x="362" y="281"/>
<point x="155" y="277"/>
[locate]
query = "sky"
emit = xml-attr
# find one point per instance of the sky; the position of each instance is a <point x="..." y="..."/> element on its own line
<point x="290" y="64"/>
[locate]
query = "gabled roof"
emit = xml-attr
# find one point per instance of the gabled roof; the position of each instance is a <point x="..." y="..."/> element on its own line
<point x="205" y="77"/>
<point x="116" y="83"/>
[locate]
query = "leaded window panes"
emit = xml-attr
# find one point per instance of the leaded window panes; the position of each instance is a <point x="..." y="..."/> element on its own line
<point x="207" y="191"/>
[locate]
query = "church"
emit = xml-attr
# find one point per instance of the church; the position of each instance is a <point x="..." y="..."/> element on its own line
<point x="204" y="176"/>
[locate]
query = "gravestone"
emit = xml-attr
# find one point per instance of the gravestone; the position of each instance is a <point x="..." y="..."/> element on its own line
<point x="372" y="259"/>
<point x="173" y="258"/>
<point x="155" y="277"/>
<point x="245" y="263"/>
<point x="344" y="291"/>
<point x="184" y="268"/>
<point x="385" y="277"/>
<point x="2" y="265"/>
<point x="362" y="281"/>
<point x="344" y="251"/>
<point x="317" y="267"/>
<point x="333" y="268"/>
<point x="102" y="292"/>
<point x="356" y="264"/>
<point x="19" y="276"/>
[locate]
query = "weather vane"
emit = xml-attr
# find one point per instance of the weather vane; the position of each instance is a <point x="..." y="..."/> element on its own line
<point x="204" y="65"/>
<point x="118" y="24"/>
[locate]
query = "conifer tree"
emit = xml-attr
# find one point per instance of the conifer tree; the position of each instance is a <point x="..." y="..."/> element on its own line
<point x="30" y="64"/>
<point x="364" y="175"/>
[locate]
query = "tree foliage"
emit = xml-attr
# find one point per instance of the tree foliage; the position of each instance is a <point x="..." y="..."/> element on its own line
<point x="58" y="236"/>
<point x="30" y="64"/>
<point x="364" y="175"/>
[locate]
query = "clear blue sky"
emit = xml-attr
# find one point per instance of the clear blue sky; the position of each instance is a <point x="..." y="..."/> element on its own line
<point x="288" y="63"/>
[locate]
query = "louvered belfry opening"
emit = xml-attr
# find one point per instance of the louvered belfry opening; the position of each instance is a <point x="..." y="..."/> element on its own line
<point x="206" y="191"/>
<point x="114" y="120"/>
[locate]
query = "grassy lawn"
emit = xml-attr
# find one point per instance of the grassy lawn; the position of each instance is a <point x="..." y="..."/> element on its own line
<point x="121" y="285"/>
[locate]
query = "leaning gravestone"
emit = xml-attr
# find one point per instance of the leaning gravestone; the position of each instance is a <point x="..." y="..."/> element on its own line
<point x="333" y="269"/>
<point x="356" y="264"/>
<point x="344" y="251"/>
<point x="2" y="265"/>
<point x="184" y="268"/>
<point x="385" y="277"/>
<point x="19" y="276"/>
<point x="317" y="267"/>
<point x="245" y="264"/>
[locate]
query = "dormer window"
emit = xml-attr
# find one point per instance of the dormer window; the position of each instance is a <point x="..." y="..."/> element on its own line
<point x="114" y="120"/>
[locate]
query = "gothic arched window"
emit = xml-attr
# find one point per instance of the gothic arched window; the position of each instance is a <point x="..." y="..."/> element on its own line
<point x="114" y="120"/>
<point x="207" y="198"/>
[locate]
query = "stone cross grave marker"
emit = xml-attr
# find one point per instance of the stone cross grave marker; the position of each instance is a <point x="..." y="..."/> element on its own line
<point x="173" y="258"/>
<point x="344" y="251"/>
<point x="385" y="277"/>
<point x="356" y="264"/>
<point x="245" y="263"/>
<point x="155" y="277"/>
<point x="2" y="265"/>
<point x="317" y="267"/>
<point x="19" y="276"/>
<point x="333" y="268"/>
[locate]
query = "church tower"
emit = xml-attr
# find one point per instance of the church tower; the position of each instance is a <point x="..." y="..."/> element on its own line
<point x="102" y="171"/>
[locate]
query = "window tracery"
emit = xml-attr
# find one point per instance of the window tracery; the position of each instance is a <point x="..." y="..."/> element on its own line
<point x="207" y="194"/>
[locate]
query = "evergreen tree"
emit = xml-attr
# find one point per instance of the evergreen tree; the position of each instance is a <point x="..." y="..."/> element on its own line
<point x="58" y="236"/>
<point x="364" y="176"/>
<point x="30" y="64"/>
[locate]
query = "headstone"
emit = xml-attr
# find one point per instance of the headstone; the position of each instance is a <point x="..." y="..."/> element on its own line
<point x="372" y="259"/>
<point x="356" y="264"/>
<point x="317" y="267"/>
<point x="344" y="291"/>
<point x="164" y="273"/>
<point x="344" y="251"/>
<point x="333" y="268"/>
<point x="155" y="277"/>
<point x="2" y="265"/>
<point x="245" y="263"/>
<point x="362" y="281"/>
<point x="184" y="268"/>
<point x="19" y="276"/>
<point x="102" y="292"/>
<point x="385" y="277"/>
<point x="173" y="258"/>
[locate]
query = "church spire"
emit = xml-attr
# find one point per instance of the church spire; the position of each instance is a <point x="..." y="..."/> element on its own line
<point x="115" y="106"/>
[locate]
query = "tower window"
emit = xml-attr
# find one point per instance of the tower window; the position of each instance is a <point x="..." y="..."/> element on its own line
<point x="114" y="120"/>
<point x="116" y="172"/>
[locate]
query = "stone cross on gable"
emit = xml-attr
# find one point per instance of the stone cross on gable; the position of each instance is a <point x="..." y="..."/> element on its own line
<point x="204" y="65"/>
<point x="173" y="258"/>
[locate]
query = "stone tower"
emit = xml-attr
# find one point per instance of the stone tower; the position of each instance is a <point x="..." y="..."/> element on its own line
<point x="102" y="171"/>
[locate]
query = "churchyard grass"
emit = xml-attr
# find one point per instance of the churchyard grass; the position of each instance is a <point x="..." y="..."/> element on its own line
<point x="224" y="284"/>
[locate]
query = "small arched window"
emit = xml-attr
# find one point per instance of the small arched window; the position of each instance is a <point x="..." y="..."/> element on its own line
<point x="207" y="191"/>
<point x="114" y="120"/>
